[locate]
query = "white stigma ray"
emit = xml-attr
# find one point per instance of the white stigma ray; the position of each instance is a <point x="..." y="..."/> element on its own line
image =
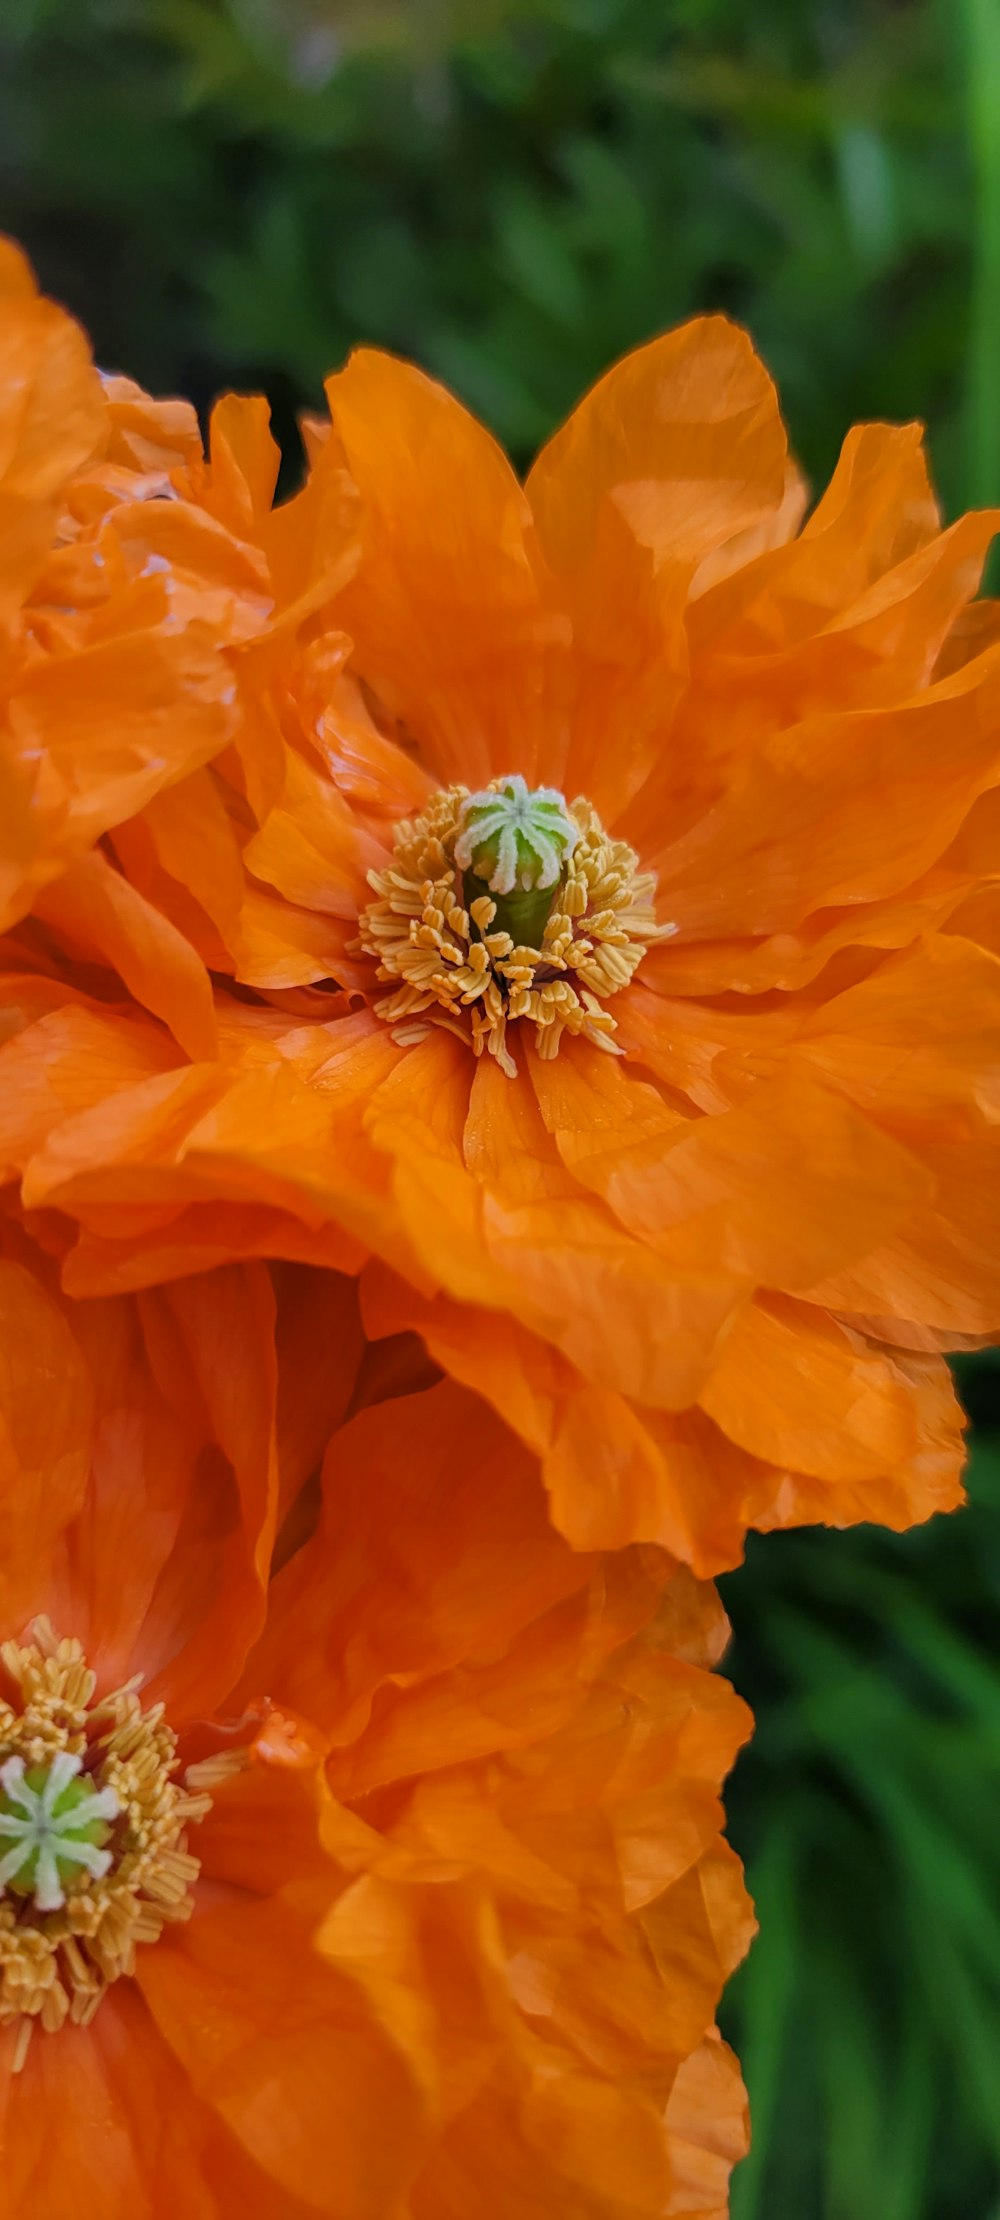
<point x="504" y="819"/>
<point x="47" y="1837"/>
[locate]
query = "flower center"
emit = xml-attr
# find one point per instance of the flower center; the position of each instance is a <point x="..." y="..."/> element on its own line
<point x="56" y="1824"/>
<point x="506" y="905"/>
<point x="93" y="1847"/>
<point x="513" y="843"/>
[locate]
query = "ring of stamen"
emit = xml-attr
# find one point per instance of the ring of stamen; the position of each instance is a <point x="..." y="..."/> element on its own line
<point x="448" y="951"/>
<point x="93" y="1835"/>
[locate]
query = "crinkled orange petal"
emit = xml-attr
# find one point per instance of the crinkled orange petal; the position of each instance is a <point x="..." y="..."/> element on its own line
<point x="446" y="612"/>
<point x="244" y="461"/>
<point x="795" y="1388"/>
<point x="310" y="849"/>
<point x="614" y="1473"/>
<point x="51" y="419"/>
<point x="182" y="1393"/>
<point x="876" y="514"/>
<point x="916" y="1043"/>
<point x="676" y="451"/>
<point x="768" y="1192"/>
<point x="79" y="2132"/>
<point x="557" y="1260"/>
<point x="47" y="1421"/>
<point x="927" y="1480"/>
<point x="417" y="1470"/>
<point x="279" y="2045"/>
<point x="836" y="809"/>
<point x="709" y="2130"/>
<point x="109" y="726"/>
<point x="186" y="839"/>
<point x="942" y="1270"/>
<point x="99" y="917"/>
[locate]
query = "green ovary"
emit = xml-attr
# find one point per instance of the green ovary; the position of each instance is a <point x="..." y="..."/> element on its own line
<point x="513" y="844"/>
<point x="54" y="1825"/>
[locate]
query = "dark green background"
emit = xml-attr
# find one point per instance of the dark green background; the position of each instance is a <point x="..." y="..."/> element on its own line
<point x="514" y="194"/>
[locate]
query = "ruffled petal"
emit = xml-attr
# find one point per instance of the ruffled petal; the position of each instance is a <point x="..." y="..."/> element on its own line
<point x="47" y="1428"/>
<point x="447" y="612"/>
<point x="51" y="421"/>
<point x="766" y="1193"/>
<point x="412" y="1472"/>
<point x="615" y="1473"/>
<point x="837" y="809"/>
<point x="78" y="2132"/>
<point x="678" y="450"/>
<point x="278" y="2044"/>
<point x="110" y="725"/>
<point x="917" y="1044"/>
<point x="98" y="916"/>
<point x="709" y="2129"/>
<point x="942" y="1270"/>
<point x="795" y="1388"/>
<point x="176" y="1394"/>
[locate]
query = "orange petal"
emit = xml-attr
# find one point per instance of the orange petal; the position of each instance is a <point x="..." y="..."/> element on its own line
<point x="185" y="839"/>
<point x="766" y="1193"/>
<point x="517" y="1236"/>
<point x="569" y="2141"/>
<point x="837" y="809"/>
<point x="211" y="1343"/>
<point x="100" y="917"/>
<point x="927" y="1480"/>
<point x="167" y="1578"/>
<point x="51" y="417"/>
<point x="310" y="846"/>
<point x="918" y="1042"/>
<point x="795" y="1388"/>
<point x="446" y="611"/>
<point x="678" y="450"/>
<point x="282" y="2048"/>
<point x="942" y="1269"/>
<point x="378" y="1619"/>
<point x="244" y="461"/>
<point x="709" y="2129"/>
<point x="321" y="1347"/>
<point x="614" y="1473"/>
<point x="683" y="439"/>
<point x="69" y="1060"/>
<point x="877" y="512"/>
<point x="77" y="2130"/>
<point x="47" y="1419"/>
<point x="112" y="724"/>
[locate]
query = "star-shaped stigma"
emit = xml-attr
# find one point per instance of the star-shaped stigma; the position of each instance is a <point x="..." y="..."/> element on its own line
<point x="513" y="835"/>
<point x="56" y="1825"/>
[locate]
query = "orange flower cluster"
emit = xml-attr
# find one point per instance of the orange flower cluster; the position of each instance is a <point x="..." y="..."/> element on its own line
<point x="447" y="1896"/>
<point x="499" y="1089"/>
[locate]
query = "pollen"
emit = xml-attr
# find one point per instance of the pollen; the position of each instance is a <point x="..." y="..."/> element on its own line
<point x="93" y="1834"/>
<point x="504" y="907"/>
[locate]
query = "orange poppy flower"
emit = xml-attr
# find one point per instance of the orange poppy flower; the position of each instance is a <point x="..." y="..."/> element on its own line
<point x="111" y="689"/>
<point x="599" y="890"/>
<point x="411" y="1853"/>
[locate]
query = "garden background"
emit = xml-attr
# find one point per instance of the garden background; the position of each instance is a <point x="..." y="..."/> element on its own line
<point x="513" y="192"/>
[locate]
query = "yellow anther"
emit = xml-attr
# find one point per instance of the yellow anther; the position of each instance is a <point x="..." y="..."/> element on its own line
<point x="452" y="969"/>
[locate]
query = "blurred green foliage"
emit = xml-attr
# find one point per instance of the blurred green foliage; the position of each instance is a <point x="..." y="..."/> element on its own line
<point x="513" y="192"/>
<point x="868" y="2014"/>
